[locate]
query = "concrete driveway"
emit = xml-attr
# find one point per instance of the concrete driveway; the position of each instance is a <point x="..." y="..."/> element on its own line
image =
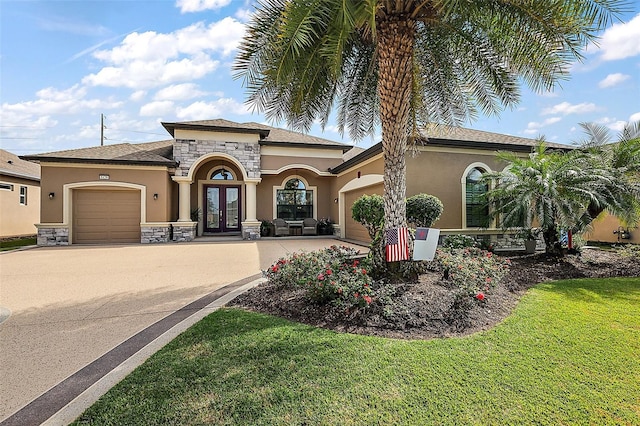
<point x="71" y="305"/>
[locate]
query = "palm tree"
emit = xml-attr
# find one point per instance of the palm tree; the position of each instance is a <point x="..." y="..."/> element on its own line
<point x="402" y="64"/>
<point x="621" y="157"/>
<point x="554" y="189"/>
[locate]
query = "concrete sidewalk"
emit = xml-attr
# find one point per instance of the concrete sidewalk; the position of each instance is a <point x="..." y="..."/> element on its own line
<point x="72" y="305"/>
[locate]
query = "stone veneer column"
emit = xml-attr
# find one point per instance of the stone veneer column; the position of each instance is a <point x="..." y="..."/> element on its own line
<point x="184" y="210"/>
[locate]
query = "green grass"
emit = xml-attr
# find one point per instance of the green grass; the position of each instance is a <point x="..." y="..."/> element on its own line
<point x="17" y="243"/>
<point x="570" y="354"/>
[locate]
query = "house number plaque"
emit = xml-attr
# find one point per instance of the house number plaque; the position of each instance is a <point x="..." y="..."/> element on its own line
<point x="103" y="177"/>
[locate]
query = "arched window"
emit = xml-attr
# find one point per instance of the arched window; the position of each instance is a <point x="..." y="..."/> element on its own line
<point x="477" y="210"/>
<point x="294" y="201"/>
<point x="222" y="174"/>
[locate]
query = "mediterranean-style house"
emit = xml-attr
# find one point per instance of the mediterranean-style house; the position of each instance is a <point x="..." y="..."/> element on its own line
<point x="19" y="196"/>
<point x="217" y="177"/>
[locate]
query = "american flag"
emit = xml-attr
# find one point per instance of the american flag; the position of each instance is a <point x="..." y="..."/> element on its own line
<point x="397" y="247"/>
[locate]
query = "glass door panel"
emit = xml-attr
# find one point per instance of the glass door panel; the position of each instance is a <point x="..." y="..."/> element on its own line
<point x="232" y="211"/>
<point x="213" y="209"/>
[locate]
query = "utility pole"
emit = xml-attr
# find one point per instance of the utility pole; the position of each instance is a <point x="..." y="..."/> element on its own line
<point x="101" y="129"/>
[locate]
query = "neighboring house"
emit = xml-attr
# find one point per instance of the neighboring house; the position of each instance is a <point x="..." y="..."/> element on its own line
<point x="19" y="196"/>
<point x="220" y="177"/>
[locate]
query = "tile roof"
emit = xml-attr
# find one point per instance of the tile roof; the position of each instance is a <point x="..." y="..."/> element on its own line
<point x="269" y="135"/>
<point x="156" y="153"/>
<point x="439" y="132"/>
<point x="12" y="165"/>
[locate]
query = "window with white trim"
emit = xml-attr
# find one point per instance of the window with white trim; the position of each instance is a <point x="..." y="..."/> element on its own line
<point x="23" y="195"/>
<point x="6" y="186"/>
<point x="294" y="201"/>
<point x="477" y="210"/>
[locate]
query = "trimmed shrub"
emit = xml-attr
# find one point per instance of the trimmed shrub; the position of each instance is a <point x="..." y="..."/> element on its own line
<point x="423" y="210"/>
<point x="369" y="211"/>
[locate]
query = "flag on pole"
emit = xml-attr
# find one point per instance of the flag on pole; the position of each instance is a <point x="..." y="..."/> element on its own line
<point x="397" y="245"/>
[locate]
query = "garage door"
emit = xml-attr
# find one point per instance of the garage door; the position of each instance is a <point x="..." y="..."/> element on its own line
<point x="354" y="230"/>
<point x="106" y="216"/>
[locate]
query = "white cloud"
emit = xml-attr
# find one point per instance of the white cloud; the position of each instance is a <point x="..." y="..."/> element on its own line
<point x="53" y="101"/>
<point x="621" y="41"/>
<point x="244" y="15"/>
<point x="156" y="108"/>
<point x="205" y="110"/>
<point x="200" y="5"/>
<point x="150" y="59"/>
<point x="179" y="92"/>
<point x="635" y="117"/>
<point x="534" y="127"/>
<point x="565" y="108"/>
<point x="613" y="80"/>
<point x="138" y="95"/>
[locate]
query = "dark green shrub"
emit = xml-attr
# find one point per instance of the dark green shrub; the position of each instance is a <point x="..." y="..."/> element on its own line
<point x="369" y="211"/>
<point x="423" y="210"/>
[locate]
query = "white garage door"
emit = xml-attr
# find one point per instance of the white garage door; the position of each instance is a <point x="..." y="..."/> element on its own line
<point x="354" y="230"/>
<point x="106" y="216"/>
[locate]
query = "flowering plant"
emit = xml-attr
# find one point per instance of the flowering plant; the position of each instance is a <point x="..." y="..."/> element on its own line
<point x="472" y="270"/>
<point x="334" y="274"/>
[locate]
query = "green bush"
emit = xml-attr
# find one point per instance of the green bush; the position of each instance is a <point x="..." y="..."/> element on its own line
<point x="369" y="211"/>
<point x="459" y="241"/>
<point x="423" y="210"/>
<point x="471" y="270"/>
<point x="332" y="275"/>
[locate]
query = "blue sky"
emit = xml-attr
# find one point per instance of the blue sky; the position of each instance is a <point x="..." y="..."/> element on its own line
<point x="63" y="63"/>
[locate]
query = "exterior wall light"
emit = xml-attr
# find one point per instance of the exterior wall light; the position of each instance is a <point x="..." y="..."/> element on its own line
<point x="155" y="196"/>
<point x="51" y="195"/>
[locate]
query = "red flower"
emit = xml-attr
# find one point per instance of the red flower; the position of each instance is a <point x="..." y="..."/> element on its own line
<point x="367" y="299"/>
<point x="480" y="296"/>
<point x="274" y="268"/>
<point x="321" y="276"/>
<point x="356" y="295"/>
<point x="328" y="271"/>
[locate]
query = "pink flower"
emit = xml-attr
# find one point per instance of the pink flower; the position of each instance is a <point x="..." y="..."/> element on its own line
<point x="321" y="276"/>
<point x="367" y="299"/>
<point x="356" y="295"/>
<point x="488" y="279"/>
<point x="328" y="271"/>
<point x="480" y="296"/>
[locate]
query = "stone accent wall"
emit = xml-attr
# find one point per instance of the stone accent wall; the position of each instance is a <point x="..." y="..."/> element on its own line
<point x="188" y="151"/>
<point x="184" y="231"/>
<point x="251" y="231"/>
<point x="48" y="237"/>
<point x="154" y="234"/>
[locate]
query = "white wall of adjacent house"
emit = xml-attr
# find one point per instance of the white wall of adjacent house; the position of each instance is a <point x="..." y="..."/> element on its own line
<point x="19" y="207"/>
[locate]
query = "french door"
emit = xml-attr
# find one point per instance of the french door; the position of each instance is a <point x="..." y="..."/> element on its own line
<point x="221" y="208"/>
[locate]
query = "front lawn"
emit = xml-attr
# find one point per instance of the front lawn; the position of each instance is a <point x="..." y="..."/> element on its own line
<point x="569" y="354"/>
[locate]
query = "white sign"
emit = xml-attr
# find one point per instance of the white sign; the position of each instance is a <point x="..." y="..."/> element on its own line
<point x="104" y="177"/>
<point x="426" y="243"/>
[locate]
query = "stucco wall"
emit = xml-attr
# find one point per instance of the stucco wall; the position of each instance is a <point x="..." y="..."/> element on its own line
<point x="325" y="196"/>
<point x="603" y="228"/>
<point x="155" y="179"/>
<point x="17" y="219"/>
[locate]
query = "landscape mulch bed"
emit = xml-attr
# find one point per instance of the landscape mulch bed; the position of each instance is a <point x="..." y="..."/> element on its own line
<point x="425" y="309"/>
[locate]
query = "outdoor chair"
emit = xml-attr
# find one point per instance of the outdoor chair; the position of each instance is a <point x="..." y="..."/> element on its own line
<point x="281" y="227"/>
<point x="309" y="226"/>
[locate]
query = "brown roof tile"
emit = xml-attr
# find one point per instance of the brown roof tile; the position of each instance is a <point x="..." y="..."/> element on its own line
<point x="12" y="165"/>
<point x="144" y="153"/>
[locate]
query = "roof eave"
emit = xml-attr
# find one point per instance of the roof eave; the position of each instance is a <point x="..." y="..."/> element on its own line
<point x="170" y="127"/>
<point x="20" y="175"/>
<point x="167" y="163"/>
<point x="363" y="156"/>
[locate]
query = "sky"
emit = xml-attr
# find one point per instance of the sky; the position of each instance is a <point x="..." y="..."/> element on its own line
<point x="63" y="64"/>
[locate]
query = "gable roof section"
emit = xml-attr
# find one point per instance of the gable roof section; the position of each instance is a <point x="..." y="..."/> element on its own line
<point x="457" y="137"/>
<point x="12" y="165"/>
<point x="150" y="153"/>
<point x="268" y="135"/>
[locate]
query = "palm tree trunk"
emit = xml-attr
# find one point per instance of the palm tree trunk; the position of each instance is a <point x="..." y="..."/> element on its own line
<point x="396" y="36"/>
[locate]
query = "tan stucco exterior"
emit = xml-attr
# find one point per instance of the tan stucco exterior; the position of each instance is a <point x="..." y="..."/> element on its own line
<point x="16" y="218"/>
<point x="61" y="179"/>
<point x="603" y="230"/>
